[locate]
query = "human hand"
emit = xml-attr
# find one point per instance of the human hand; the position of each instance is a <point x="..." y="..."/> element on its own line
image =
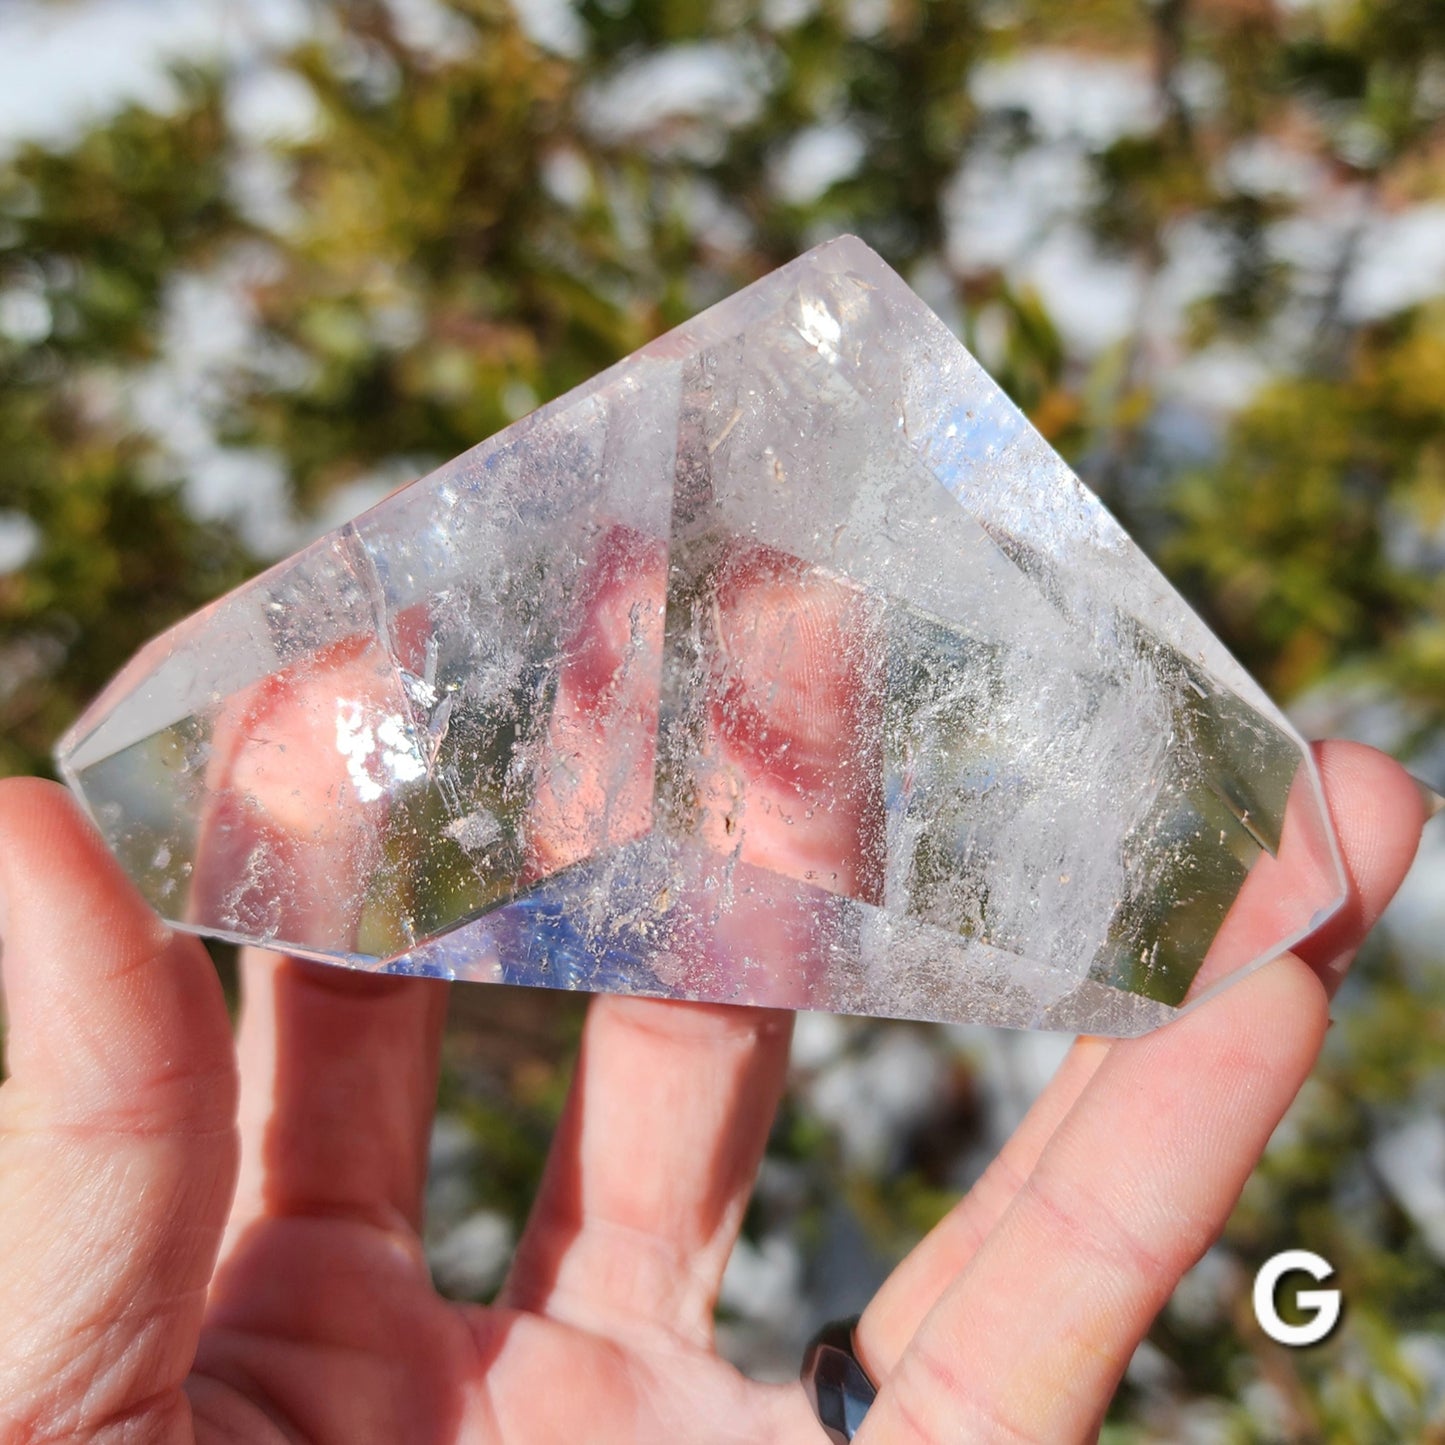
<point x="166" y="1274"/>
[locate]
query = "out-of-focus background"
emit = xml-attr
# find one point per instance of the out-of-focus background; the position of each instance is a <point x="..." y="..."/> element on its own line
<point x="262" y="260"/>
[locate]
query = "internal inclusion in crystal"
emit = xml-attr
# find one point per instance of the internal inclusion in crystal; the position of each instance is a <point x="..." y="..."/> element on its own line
<point x="783" y="663"/>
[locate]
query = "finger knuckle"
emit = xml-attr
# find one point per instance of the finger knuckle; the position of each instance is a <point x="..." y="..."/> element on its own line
<point x="937" y="1403"/>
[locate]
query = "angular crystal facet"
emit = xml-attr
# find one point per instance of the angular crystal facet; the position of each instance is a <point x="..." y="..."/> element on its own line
<point x="783" y="663"/>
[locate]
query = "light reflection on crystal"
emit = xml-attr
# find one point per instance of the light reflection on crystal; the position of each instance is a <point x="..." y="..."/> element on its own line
<point x="781" y="664"/>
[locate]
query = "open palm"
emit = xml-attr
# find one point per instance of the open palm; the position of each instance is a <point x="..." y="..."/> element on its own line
<point x="166" y="1274"/>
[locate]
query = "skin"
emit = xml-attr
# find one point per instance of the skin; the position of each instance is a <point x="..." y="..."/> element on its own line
<point x="214" y="1238"/>
<point x="209" y="1239"/>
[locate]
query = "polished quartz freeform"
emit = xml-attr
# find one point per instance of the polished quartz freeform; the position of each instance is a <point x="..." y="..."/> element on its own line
<point x="782" y="663"/>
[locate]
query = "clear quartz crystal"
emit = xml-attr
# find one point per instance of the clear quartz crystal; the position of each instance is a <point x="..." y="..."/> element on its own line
<point x="782" y="663"/>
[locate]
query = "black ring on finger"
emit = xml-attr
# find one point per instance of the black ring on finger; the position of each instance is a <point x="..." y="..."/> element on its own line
<point x="837" y="1386"/>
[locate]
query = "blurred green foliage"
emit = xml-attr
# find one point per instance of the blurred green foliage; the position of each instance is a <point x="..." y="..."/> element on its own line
<point x="468" y="228"/>
<point x="93" y="235"/>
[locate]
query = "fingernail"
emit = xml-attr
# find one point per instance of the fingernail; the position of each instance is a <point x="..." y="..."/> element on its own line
<point x="1434" y="803"/>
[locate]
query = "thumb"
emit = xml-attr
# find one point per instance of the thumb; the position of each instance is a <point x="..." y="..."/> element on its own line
<point x="117" y="1142"/>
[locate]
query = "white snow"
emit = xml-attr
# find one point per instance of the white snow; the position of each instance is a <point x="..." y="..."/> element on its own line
<point x="65" y="66"/>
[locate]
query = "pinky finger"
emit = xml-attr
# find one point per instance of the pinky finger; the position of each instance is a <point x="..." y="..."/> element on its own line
<point x="1030" y="1341"/>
